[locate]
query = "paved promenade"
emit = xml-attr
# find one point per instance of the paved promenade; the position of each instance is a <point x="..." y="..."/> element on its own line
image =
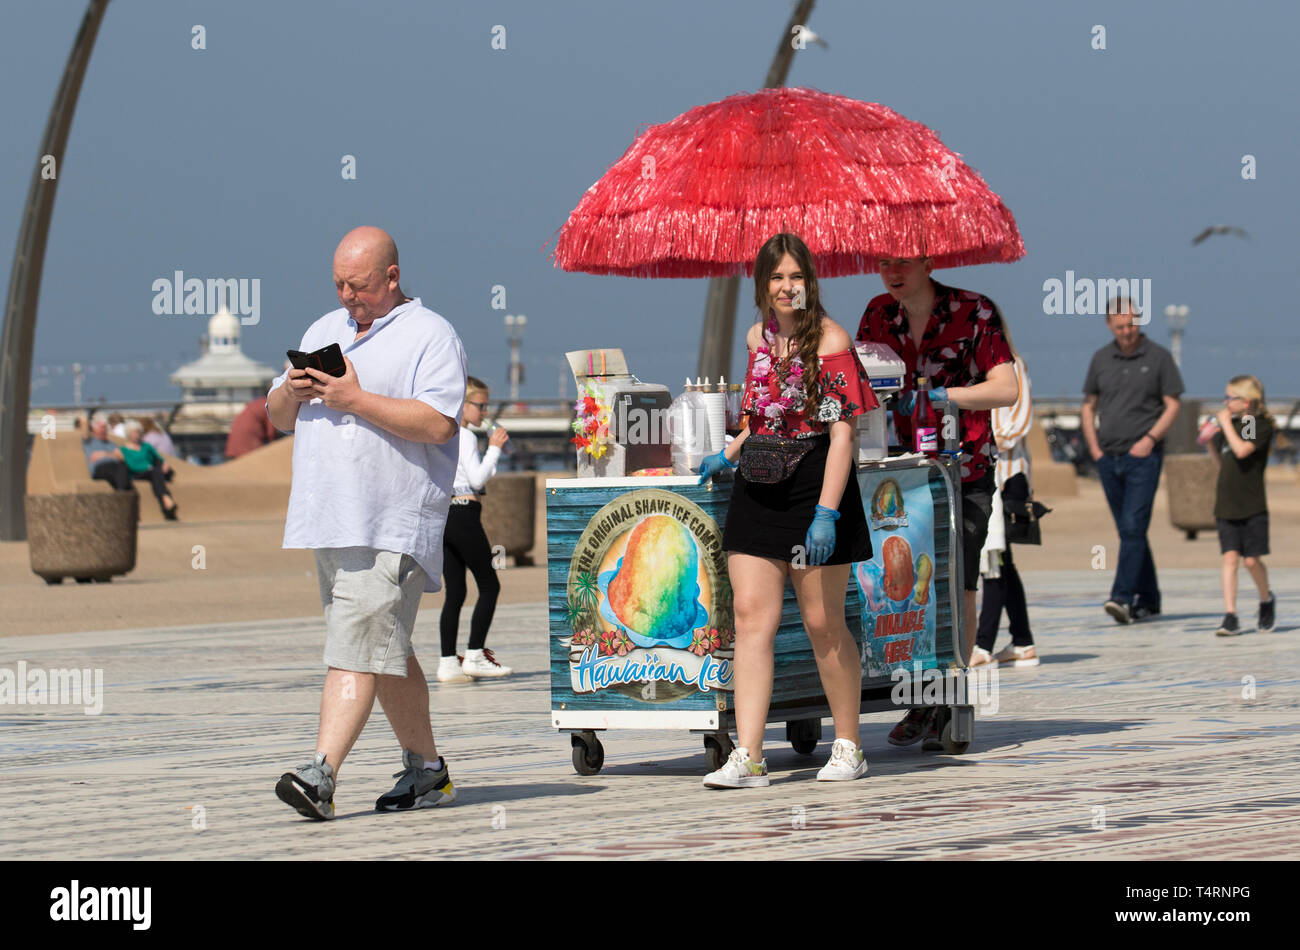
<point x="1152" y="741"/>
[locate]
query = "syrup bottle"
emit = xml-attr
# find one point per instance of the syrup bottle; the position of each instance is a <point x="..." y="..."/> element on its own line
<point x="925" y="424"/>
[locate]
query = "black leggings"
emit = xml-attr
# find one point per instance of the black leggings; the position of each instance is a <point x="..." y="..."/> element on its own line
<point x="1005" y="591"/>
<point x="464" y="545"/>
<point x="159" y="480"/>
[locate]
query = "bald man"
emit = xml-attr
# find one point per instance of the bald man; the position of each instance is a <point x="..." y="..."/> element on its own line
<point x="374" y="457"/>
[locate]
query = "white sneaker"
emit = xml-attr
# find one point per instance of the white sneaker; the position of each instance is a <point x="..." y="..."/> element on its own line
<point x="449" y="671"/>
<point x="1013" y="655"/>
<point x="739" y="771"/>
<point x="847" y="763"/>
<point x="481" y="664"/>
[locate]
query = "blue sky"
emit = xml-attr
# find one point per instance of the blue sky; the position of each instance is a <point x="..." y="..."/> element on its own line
<point x="225" y="162"/>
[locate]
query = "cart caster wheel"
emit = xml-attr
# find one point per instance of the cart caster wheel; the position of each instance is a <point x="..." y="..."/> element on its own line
<point x="588" y="754"/>
<point x="84" y="580"/>
<point x="804" y="734"/>
<point x="716" y="751"/>
<point x="54" y="580"/>
<point x="949" y="746"/>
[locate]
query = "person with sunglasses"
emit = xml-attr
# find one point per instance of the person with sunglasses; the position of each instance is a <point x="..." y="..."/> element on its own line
<point x="465" y="546"/>
<point x="1240" y="434"/>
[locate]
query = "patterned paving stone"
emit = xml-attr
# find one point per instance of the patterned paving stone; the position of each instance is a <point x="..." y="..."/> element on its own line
<point x="1151" y="741"/>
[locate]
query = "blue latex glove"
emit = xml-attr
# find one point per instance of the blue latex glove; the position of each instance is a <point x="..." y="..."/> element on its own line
<point x="714" y="465"/>
<point x="820" y="541"/>
<point x="906" y="402"/>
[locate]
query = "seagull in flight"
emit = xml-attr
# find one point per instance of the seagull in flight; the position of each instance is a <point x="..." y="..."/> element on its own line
<point x="1220" y="229"/>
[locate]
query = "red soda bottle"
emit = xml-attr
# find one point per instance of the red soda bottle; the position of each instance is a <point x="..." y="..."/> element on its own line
<point x="925" y="424"/>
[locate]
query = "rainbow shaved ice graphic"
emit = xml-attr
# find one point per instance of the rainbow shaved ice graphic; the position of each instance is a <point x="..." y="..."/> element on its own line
<point x="654" y="591"/>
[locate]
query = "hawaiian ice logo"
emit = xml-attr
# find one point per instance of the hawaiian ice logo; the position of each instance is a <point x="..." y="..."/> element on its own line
<point x="1085" y="296"/>
<point x="593" y="671"/>
<point x="191" y="295"/>
<point x="40" y="687"/>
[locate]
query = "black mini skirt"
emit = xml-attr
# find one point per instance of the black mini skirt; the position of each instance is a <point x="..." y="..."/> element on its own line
<point x="771" y="520"/>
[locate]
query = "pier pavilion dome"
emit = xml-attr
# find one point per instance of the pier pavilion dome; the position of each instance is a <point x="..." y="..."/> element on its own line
<point x="223" y="374"/>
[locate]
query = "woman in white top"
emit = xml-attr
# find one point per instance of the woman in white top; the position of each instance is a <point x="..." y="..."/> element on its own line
<point x="1002" y="586"/>
<point x="465" y="546"/>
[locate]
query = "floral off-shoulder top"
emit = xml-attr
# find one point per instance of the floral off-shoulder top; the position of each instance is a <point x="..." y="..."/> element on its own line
<point x="780" y="406"/>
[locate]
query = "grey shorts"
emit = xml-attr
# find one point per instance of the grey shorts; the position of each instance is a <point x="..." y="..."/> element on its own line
<point x="370" y="599"/>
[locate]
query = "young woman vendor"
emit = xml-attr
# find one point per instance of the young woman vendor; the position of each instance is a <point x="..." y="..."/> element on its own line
<point x="795" y="509"/>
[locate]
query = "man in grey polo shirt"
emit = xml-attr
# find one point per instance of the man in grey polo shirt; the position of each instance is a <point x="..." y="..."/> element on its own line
<point x="1133" y="386"/>
<point x="374" y="457"/>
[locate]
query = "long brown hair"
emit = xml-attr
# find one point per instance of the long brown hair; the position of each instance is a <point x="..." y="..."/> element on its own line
<point x="808" y="322"/>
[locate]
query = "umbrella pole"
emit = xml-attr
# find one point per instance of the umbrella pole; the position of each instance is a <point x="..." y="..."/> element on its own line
<point x="720" y="304"/>
<point x="719" y="327"/>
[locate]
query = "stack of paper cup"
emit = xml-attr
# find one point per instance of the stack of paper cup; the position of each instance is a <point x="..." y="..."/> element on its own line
<point x="715" y="407"/>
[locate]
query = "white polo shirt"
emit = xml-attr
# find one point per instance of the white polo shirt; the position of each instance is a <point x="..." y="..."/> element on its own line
<point x="357" y="485"/>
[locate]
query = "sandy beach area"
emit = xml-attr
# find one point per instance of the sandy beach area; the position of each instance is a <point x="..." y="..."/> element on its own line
<point x="246" y="575"/>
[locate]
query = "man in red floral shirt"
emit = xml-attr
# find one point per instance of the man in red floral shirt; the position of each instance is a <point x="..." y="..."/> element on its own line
<point x="953" y="338"/>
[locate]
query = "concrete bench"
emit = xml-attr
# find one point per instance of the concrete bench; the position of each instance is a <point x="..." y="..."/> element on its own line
<point x="1190" y="482"/>
<point x="76" y="526"/>
<point x="510" y="513"/>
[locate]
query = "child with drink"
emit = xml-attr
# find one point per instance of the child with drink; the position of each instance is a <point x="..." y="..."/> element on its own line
<point x="1240" y="434"/>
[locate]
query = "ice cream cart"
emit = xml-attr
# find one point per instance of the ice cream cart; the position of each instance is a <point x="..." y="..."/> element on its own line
<point x="640" y="614"/>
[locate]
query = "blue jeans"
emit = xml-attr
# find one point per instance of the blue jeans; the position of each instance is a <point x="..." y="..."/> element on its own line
<point x="1130" y="487"/>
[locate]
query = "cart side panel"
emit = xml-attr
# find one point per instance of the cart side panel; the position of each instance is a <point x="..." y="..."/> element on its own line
<point x="591" y="531"/>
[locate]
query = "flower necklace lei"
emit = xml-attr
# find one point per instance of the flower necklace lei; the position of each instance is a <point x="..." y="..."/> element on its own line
<point x="771" y="400"/>
<point x="591" y="428"/>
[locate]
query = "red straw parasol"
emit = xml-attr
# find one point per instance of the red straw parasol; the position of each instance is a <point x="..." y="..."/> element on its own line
<point x="698" y="196"/>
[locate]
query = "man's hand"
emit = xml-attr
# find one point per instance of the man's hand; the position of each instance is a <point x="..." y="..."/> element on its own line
<point x="337" y="392"/>
<point x="301" y="386"/>
<point x="1096" y="453"/>
<point x="1142" y="447"/>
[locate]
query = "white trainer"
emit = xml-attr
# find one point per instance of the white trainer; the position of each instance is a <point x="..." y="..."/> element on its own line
<point x="449" y="671"/>
<point x="847" y="763"/>
<point x="739" y="771"/>
<point x="1013" y="655"/>
<point x="481" y="664"/>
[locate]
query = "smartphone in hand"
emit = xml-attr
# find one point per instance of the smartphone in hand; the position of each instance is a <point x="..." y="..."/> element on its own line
<point x="328" y="359"/>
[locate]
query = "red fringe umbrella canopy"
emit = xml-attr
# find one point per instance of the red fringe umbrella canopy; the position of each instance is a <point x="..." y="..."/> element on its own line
<point x="698" y="196"/>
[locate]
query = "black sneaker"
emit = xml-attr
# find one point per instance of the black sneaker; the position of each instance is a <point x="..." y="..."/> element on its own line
<point x="1266" y="612"/>
<point x="1142" y="613"/>
<point x="309" y="790"/>
<point x="1229" y="627"/>
<point x="1119" y="611"/>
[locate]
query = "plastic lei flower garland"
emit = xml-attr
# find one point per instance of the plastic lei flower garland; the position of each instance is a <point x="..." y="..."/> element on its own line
<point x="791" y="388"/>
<point x="591" y="428"/>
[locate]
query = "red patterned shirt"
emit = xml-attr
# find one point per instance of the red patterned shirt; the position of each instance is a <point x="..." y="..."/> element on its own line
<point x="962" y="342"/>
<point x="780" y="407"/>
